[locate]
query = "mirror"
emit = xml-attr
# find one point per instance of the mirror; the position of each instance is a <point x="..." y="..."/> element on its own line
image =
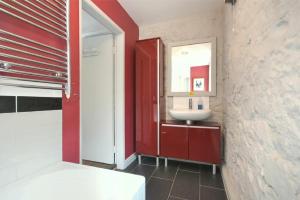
<point x="193" y="68"/>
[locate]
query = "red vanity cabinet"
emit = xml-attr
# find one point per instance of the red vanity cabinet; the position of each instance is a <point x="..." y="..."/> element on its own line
<point x="149" y="65"/>
<point x="205" y="144"/>
<point x="174" y="141"/>
<point x="200" y="143"/>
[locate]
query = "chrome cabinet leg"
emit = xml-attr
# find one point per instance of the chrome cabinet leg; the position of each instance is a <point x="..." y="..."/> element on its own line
<point x="214" y="169"/>
<point x="140" y="159"/>
<point x="157" y="161"/>
<point x="166" y="162"/>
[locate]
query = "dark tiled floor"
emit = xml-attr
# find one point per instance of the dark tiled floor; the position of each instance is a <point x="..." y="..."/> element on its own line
<point x="179" y="181"/>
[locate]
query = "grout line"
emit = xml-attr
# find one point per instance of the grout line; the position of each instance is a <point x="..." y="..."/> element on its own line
<point x="189" y="171"/>
<point x="165" y="179"/>
<point x="215" y="188"/>
<point x="178" y="197"/>
<point x="149" y="165"/>
<point x="151" y="176"/>
<point x="173" y="182"/>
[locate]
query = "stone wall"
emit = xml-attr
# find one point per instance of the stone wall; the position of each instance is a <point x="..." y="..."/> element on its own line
<point x="261" y="77"/>
<point x="204" y="25"/>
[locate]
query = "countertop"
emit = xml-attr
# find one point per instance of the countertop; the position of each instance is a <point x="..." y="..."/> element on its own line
<point x="196" y="123"/>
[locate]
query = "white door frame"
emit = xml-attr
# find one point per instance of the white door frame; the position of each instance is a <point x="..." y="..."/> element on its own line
<point x="119" y="35"/>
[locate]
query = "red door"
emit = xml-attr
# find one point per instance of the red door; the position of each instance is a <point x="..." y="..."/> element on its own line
<point x="174" y="142"/>
<point x="205" y="145"/>
<point x="146" y="97"/>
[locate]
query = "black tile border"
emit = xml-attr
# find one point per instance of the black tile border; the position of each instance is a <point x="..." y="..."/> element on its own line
<point x="28" y="104"/>
<point x="7" y="104"/>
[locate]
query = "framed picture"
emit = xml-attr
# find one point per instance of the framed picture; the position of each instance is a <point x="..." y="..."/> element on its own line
<point x="199" y="84"/>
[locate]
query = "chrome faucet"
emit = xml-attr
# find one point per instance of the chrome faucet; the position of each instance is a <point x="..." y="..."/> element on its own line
<point x="190" y="103"/>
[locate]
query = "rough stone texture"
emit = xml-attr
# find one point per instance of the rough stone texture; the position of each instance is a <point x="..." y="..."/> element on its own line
<point x="261" y="77"/>
<point x="196" y="27"/>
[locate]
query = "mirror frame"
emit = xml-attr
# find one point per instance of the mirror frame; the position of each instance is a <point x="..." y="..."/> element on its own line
<point x="213" y="92"/>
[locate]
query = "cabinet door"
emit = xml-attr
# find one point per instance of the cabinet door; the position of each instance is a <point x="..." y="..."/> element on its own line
<point x="146" y="98"/>
<point x="205" y="145"/>
<point x="174" y="142"/>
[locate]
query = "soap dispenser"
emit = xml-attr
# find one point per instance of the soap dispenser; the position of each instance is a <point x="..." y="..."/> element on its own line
<point x="200" y="104"/>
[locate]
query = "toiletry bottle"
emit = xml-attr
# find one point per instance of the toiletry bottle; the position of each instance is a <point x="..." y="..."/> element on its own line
<point x="200" y="104"/>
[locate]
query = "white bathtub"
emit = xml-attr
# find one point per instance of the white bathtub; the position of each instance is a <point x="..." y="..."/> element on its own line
<point x="66" y="181"/>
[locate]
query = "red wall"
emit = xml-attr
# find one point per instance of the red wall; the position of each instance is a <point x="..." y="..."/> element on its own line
<point x="71" y="120"/>
<point x="200" y="72"/>
<point x="71" y="106"/>
<point x="24" y="29"/>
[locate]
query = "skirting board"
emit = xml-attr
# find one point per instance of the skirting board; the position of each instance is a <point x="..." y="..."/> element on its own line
<point x="129" y="160"/>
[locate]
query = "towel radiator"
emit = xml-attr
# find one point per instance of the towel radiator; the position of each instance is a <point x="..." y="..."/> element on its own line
<point x="35" y="44"/>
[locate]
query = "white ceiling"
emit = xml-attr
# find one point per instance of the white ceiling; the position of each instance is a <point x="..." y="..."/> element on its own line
<point x="145" y="12"/>
<point x="90" y="25"/>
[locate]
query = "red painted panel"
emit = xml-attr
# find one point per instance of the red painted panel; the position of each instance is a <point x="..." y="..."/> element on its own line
<point x="174" y="142"/>
<point x="200" y="72"/>
<point x="205" y="145"/>
<point x="71" y="106"/>
<point x="71" y="117"/>
<point x="146" y="97"/>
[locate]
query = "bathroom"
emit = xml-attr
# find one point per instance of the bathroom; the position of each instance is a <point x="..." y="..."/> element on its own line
<point x="82" y="118"/>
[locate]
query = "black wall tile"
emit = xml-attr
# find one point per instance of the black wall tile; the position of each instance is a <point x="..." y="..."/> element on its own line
<point x="7" y="104"/>
<point x="28" y="104"/>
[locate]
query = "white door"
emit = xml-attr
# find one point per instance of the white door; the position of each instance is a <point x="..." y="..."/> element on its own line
<point x="97" y="96"/>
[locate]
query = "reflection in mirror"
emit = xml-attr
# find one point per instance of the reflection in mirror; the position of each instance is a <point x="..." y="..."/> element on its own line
<point x="193" y="68"/>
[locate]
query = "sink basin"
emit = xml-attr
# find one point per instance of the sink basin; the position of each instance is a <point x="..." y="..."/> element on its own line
<point x="190" y="115"/>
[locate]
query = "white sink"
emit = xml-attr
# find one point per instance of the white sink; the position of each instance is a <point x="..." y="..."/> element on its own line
<point x="190" y="115"/>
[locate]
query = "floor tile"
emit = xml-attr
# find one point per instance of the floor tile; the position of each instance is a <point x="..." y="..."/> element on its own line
<point x="208" y="179"/>
<point x="165" y="172"/>
<point x="173" y="163"/>
<point x="186" y="185"/>
<point x="207" y="193"/>
<point x="208" y="168"/>
<point x="158" y="189"/>
<point x="132" y="166"/>
<point x="192" y="181"/>
<point x="144" y="170"/>
<point x="190" y="167"/>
